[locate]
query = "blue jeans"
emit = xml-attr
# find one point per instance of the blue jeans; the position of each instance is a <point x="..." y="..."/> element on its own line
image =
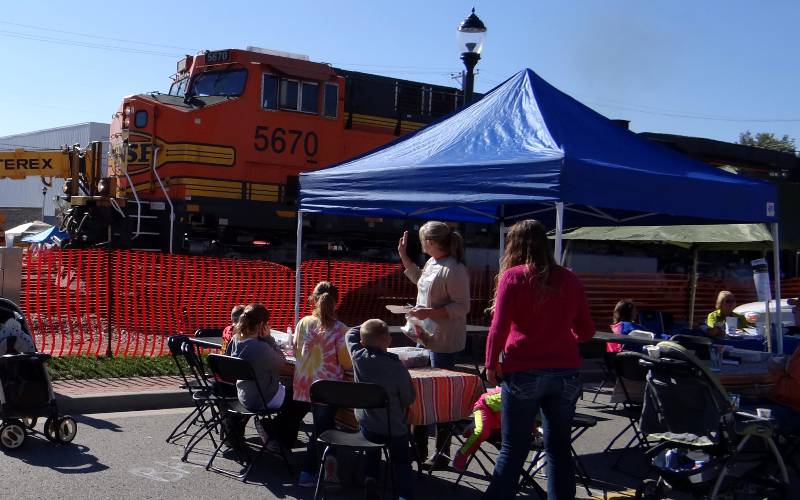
<point x="323" y="421"/>
<point x="555" y="392"/>
<point x="401" y="462"/>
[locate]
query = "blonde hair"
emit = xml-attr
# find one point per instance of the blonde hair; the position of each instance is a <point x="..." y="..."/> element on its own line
<point x="448" y="240"/>
<point x="324" y="299"/>
<point x="253" y="316"/>
<point x="373" y="330"/>
<point x="722" y="296"/>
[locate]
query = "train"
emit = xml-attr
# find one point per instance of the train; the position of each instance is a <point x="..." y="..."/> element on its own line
<point x="211" y="167"/>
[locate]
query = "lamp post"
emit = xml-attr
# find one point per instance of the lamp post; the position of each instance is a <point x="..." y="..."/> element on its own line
<point x="471" y="35"/>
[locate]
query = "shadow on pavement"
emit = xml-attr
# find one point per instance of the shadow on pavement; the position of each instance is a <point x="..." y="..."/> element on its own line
<point x="63" y="458"/>
<point x="98" y="423"/>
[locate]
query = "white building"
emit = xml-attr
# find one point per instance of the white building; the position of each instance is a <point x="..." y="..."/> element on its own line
<point x="22" y="200"/>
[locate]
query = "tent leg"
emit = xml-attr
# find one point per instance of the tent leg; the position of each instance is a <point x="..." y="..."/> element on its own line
<point x="502" y="247"/>
<point x="776" y="255"/>
<point x="559" y="231"/>
<point x="693" y="287"/>
<point x="298" y="257"/>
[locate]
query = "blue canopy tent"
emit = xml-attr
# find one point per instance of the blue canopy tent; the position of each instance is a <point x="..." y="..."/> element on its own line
<point x="528" y="150"/>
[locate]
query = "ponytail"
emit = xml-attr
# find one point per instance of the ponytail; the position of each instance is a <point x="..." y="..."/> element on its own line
<point x="251" y="318"/>
<point x="448" y="240"/>
<point x="324" y="299"/>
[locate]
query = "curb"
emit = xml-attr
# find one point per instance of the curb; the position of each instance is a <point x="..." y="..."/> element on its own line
<point x="123" y="401"/>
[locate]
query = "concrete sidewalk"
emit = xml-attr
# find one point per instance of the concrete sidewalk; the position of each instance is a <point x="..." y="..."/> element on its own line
<point x="80" y="397"/>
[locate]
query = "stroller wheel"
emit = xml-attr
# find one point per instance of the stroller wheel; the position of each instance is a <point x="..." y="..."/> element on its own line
<point x="29" y="422"/>
<point x="12" y="434"/>
<point x="51" y="429"/>
<point x="67" y="427"/>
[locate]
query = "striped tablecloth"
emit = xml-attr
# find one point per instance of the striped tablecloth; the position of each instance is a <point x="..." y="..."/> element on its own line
<point x="442" y="395"/>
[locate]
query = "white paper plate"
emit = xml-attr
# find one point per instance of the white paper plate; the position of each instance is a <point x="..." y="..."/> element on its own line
<point x="395" y="309"/>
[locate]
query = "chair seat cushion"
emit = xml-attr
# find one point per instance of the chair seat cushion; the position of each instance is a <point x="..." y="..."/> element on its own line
<point x="347" y="439"/>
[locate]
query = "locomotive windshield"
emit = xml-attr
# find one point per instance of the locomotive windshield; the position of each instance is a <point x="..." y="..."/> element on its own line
<point x="219" y="83"/>
<point x="179" y="88"/>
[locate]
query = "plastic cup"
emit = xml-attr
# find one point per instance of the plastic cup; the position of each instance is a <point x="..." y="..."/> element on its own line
<point x="764" y="412"/>
<point x="652" y="351"/>
<point x="730" y="325"/>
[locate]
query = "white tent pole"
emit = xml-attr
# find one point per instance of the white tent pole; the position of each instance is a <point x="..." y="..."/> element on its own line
<point x="502" y="247"/>
<point x="559" y="231"/>
<point x="693" y="287"/>
<point x="776" y="255"/>
<point x="298" y="257"/>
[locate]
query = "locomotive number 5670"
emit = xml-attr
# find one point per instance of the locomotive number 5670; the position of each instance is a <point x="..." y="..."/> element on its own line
<point x="279" y="140"/>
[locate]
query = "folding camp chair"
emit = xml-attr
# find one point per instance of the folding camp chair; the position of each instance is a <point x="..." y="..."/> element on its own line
<point x="232" y="368"/>
<point x="630" y="379"/>
<point x="357" y="395"/>
<point x="198" y="390"/>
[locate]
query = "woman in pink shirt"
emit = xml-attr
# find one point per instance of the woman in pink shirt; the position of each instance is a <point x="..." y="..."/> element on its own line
<point x="540" y="315"/>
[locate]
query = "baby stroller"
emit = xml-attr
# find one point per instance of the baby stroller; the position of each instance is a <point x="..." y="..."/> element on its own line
<point x="25" y="389"/>
<point x="707" y="449"/>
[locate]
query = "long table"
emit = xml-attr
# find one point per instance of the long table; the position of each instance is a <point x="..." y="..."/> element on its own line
<point x="442" y="395"/>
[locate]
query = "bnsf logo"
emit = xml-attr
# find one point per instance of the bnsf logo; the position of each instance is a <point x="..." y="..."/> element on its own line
<point x="140" y="152"/>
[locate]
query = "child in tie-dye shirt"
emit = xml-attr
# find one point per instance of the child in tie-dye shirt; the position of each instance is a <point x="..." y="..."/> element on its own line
<point x="321" y="355"/>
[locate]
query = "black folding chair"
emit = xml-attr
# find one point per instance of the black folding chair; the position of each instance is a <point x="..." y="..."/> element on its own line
<point x="205" y="394"/>
<point x="580" y="424"/>
<point x="232" y="368"/>
<point x="357" y="395"/>
<point x="200" y="393"/>
<point x="630" y="373"/>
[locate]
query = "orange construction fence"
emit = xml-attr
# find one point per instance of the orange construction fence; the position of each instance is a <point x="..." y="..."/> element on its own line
<point x="127" y="303"/>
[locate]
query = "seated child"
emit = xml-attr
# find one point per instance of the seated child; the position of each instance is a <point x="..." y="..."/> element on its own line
<point x="372" y="363"/>
<point x="486" y="416"/>
<point x="227" y="332"/>
<point x="624" y="312"/>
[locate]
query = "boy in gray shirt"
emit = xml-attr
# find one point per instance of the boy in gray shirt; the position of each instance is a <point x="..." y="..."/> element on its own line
<point x="372" y="363"/>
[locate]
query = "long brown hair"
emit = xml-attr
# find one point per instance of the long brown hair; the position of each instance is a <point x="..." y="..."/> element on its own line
<point x="253" y="315"/>
<point x="324" y="299"/>
<point x="448" y="240"/>
<point x="527" y="244"/>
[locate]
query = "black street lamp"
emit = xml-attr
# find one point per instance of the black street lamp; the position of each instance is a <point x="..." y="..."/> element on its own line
<point x="471" y="35"/>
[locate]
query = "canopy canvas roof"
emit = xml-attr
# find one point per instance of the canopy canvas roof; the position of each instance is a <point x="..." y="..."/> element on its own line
<point x="707" y="237"/>
<point x="527" y="150"/>
<point x="521" y="149"/>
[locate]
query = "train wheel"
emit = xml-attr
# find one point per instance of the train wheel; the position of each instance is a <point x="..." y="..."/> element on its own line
<point x="12" y="434"/>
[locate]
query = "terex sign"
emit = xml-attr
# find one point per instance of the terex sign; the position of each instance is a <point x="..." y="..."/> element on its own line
<point x="19" y="164"/>
<point x="28" y="164"/>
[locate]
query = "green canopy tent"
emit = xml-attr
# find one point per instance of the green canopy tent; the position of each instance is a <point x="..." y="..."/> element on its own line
<point x="695" y="238"/>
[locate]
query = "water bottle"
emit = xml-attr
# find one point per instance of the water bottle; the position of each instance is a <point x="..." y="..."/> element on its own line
<point x="290" y="341"/>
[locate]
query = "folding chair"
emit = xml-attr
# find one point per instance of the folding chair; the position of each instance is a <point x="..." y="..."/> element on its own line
<point x="204" y="395"/>
<point x="651" y="321"/>
<point x="580" y="424"/>
<point x="629" y="372"/>
<point x="357" y="395"/>
<point x="232" y="368"/>
<point x="208" y="332"/>
<point x="198" y="391"/>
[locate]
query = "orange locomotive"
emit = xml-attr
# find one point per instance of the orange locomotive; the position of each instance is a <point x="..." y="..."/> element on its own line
<point x="214" y="163"/>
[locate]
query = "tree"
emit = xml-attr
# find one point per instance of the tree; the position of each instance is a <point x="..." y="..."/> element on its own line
<point x="768" y="140"/>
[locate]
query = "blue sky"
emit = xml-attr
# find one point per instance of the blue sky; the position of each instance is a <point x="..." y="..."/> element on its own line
<point x="710" y="69"/>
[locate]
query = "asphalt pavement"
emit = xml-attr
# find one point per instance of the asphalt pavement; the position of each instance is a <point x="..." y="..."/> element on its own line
<point x="123" y="455"/>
